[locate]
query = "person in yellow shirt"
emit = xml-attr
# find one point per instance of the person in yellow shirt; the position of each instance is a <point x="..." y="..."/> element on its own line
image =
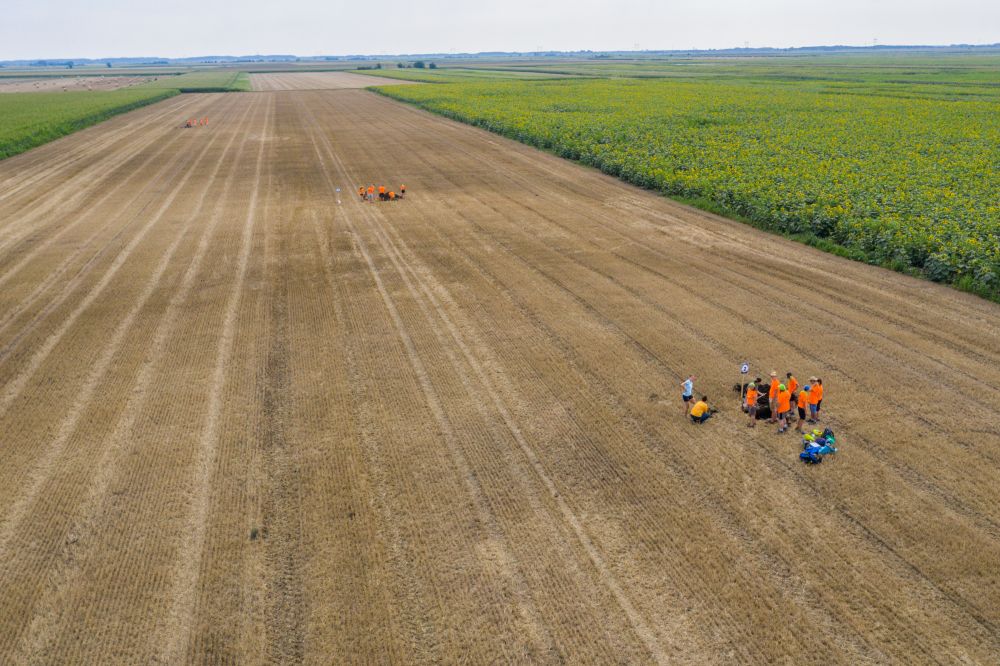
<point x="700" y="412"/>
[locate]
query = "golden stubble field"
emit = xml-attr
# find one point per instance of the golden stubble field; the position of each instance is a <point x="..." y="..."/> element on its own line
<point x="244" y="422"/>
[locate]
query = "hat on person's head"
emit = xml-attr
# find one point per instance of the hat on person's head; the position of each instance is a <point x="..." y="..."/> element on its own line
<point x="774" y="374"/>
<point x="751" y="385"/>
<point x="806" y="387"/>
<point x="781" y="387"/>
<point x="812" y="379"/>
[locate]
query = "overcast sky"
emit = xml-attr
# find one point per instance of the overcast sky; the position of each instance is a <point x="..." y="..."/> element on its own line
<point x="107" y="28"/>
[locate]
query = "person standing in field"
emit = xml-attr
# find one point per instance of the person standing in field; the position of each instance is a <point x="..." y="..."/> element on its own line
<point x="752" y="404"/>
<point x="700" y="412"/>
<point x="371" y="194"/>
<point x="802" y="403"/>
<point x="381" y="192"/>
<point x="772" y="397"/>
<point x="361" y="192"/>
<point x="819" y="397"/>
<point x="791" y="382"/>
<point x="688" y="394"/>
<point x="793" y="387"/>
<point x="814" y="396"/>
<point x="784" y="406"/>
<point x="402" y="191"/>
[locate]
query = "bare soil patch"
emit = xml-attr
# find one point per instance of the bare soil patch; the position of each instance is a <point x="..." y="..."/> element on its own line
<point x="318" y="81"/>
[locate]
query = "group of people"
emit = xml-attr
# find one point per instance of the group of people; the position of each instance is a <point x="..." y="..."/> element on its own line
<point x="781" y="396"/>
<point x="783" y="400"/>
<point x="384" y="194"/>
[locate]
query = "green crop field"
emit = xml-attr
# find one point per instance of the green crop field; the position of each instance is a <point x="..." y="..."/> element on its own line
<point x="894" y="162"/>
<point x="31" y="119"/>
<point x="454" y="74"/>
<point x="223" y="80"/>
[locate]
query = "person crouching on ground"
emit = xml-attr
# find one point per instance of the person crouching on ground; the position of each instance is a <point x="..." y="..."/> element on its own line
<point x="752" y="404"/>
<point x="700" y="412"/>
<point x="688" y="394"/>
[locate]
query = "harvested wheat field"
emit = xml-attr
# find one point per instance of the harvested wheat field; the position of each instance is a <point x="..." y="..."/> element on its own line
<point x="53" y="84"/>
<point x="317" y="81"/>
<point x="245" y="421"/>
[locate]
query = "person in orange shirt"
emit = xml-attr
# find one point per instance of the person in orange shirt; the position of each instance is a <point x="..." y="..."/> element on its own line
<point x="791" y="382"/>
<point x="784" y="406"/>
<point x="392" y="196"/>
<point x="818" y="390"/>
<point x="772" y="397"/>
<point x="752" y="404"/>
<point x="381" y="192"/>
<point x="802" y="402"/>
<point x="793" y="386"/>
<point x="814" y="393"/>
<point x="402" y="191"/>
<point x="371" y="193"/>
<point x="361" y="192"/>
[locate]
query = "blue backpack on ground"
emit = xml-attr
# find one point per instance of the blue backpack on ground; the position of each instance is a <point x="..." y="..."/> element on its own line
<point x="811" y="456"/>
<point x="814" y="448"/>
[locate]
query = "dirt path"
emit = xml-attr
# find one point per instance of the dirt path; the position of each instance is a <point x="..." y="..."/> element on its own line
<point x="248" y="419"/>
<point x="318" y="81"/>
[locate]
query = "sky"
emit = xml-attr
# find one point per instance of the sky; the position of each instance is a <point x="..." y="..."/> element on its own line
<point x="35" y="29"/>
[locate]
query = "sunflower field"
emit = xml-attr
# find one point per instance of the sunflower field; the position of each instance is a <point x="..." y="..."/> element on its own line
<point x="892" y="176"/>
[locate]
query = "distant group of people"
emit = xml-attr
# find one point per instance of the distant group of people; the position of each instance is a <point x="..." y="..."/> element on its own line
<point x="781" y="396"/>
<point x="384" y="194"/>
<point x="780" y="402"/>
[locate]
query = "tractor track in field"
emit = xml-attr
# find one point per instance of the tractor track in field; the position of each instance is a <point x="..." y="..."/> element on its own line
<point x="181" y="614"/>
<point x="434" y="400"/>
<point x="98" y="141"/>
<point x="76" y="535"/>
<point x="248" y="419"/>
<point x="167" y="173"/>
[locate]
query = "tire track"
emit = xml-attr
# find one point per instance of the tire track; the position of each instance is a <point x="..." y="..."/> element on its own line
<point x="419" y="631"/>
<point x="14" y="388"/>
<point x="432" y="398"/>
<point x="56" y="274"/>
<point x="44" y="620"/>
<point x="83" y="145"/>
<point x="605" y="575"/>
<point x="175" y="643"/>
<point x="78" y="187"/>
